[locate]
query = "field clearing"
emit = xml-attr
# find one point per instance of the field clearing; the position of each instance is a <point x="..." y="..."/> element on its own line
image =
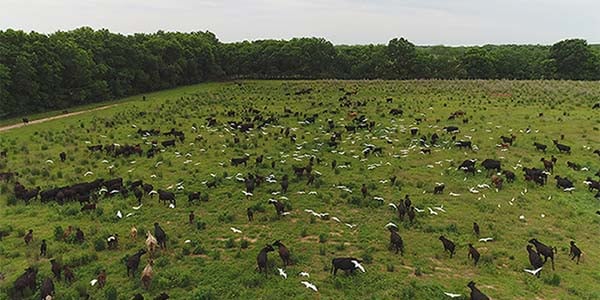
<point x="220" y="264"/>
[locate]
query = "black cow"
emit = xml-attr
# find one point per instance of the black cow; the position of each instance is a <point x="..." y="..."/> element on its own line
<point x="544" y="250"/>
<point x="561" y="147"/>
<point x="534" y="259"/>
<point x="451" y="129"/>
<point x="344" y="263"/>
<point x="166" y="196"/>
<point x="261" y="259"/>
<point x="464" y="144"/>
<point x="47" y="288"/>
<point x="448" y="245"/>
<point x="476" y="294"/>
<point x="63" y="156"/>
<point x="563" y="183"/>
<point x="284" y="253"/>
<point x="134" y="261"/>
<point x="240" y="160"/>
<point x="474" y="254"/>
<point x="396" y="240"/>
<point x="540" y="147"/>
<point x="168" y="143"/>
<point x="26" y="280"/>
<point x="161" y="236"/>
<point x="492" y="164"/>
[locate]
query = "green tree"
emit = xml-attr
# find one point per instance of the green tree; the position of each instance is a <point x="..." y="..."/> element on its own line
<point x="573" y="59"/>
<point x="403" y="56"/>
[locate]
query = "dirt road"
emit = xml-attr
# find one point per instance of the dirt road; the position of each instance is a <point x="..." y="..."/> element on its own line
<point x="9" y="127"/>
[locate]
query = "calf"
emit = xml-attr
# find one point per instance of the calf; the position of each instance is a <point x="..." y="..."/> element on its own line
<point x="497" y="181"/>
<point x="279" y="207"/>
<point x="534" y="259"/>
<point x="473" y="253"/>
<point x="544" y="251"/>
<point x="166" y="196"/>
<point x="284" y="253"/>
<point x="510" y="176"/>
<point x="28" y="237"/>
<point x="56" y="268"/>
<point x="134" y="261"/>
<point x="574" y="166"/>
<point x="161" y="236"/>
<point x="239" y="160"/>
<point x="592" y="184"/>
<point x="168" y="143"/>
<point x="344" y="263"/>
<point x="540" y="147"/>
<point x="464" y="144"/>
<point x="561" y="147"/>
<point x="548" y="164"/>
<point x="448" y="245"/>
<point x="193" y="196"/>
<point x="563" y="183"/>
<point x="250" y="214"/>
<point x="101" y="279"/>
<point x="574" y="252"/>
<point x="476" y="294"/>
<point x="439" y="189"/>
<point x="396" y="240"/>
<point x="147" y="274"/>
<point x="261" y="259"/>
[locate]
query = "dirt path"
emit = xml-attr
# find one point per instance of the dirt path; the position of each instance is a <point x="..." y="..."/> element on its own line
<point x="9" y="127"/>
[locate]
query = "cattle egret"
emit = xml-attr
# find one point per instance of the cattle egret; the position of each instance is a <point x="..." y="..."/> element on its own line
<point x="187" y="241"/>
<point x="454" y="194"/>
<point x="390" y="224"/>
<point x="93" y="282"/>
<point x="128" y="215"/>
<point x="393" y="205"/>
<point x="358" y="265"/>
<point x="350" y="225"/>
<point x="304" y="274"/>
<point x="119" y="214"/>
<point x="336" y="219"/>
<point x="50" y="161"/>
<point x="152" y="192"/>
<point x="88" y="173"/>
<point x="282" y="273"/>
<point x="432" y="212"/>
<point x="247" y="194"/>
<point x="418" y="210"/>
<point x="485" y="240"/>
<point x="451" y="295"/>
<point x="521" y="217"/>
<point x="309" y="285"/>
<point x="235" y="230"/>
<point x="171" y="205"/>
<point x="440" y="208"/>
<point x="533" y="272"/>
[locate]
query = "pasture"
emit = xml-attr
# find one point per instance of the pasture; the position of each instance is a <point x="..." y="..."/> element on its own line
<point x="207" y="260"/>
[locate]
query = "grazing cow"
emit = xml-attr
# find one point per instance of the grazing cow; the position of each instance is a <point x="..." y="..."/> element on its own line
<point x="508" y="140"/>
<point x="161" y="236"/>
<point x="548" y="164"/>
<point x="439" y="189"/>
<point x="574" y="166"/>
<point x="537" y="175"/>
<point x="284" y="253"/>
<point x="473" y="253"/>
<point x="401" y="210"/>
<point x="451" y="129"/>
<point x="396" y="112"/>
<point x="561" y="147"/>
<point x="250" y="214"/>
<point x="56" y="268"/>
<point x="448" y="245"/>
<point x="137" y="296"/>
<point x="261" y="259"/>
<point x="26" y="280"/>
<point x="193" y="196"/>
<point x="162" y="296"/>
<point x="166" y="196"/>
<point x="284" y="184"/>
<point x="467" y="166"/>
<point x="47" y="288"/>
<point x="134" y="261"/>
<point x="25" y="121"/>
<point x="68" y="273"/>
<point x="101" y="279"/>
<point x="279" y="207"/>
<point x="597" y="152"/>
<point x="464" y="144"/>
<point x="411" y="214"/>
<point x="540" y="147"/>
<point x="596" y="106"/>
<point x="510" y="176"/>
<point x="239" y="160"/>
<point x="151" y="242"/>
<point x="544" y="250"/>
<point x="563" y="183"/>
<point x="414" y="131"/>
<point x="28" y="237"/>
<point x="364" y="190"/>
<point x="43" y="248"/>
<point x="147" y="274"/>
<point x="574" y="252"/>
<point x="476" y="228"/>
<point x="113" y="242"/>
<point x="592" y="184"/>
<point x="492" y="164"/>
<point x="396" y="240"/>
<point x="534" y="259"/>
<point x="79" y="237"/>
<point x="168" y="143"/>
<point x="476" y="294"/>
<point x="344" y="263"/>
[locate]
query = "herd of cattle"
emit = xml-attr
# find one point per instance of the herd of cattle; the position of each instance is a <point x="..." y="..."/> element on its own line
<point x="90" y="194"/>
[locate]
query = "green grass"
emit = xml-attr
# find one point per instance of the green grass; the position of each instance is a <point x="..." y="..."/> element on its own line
<point x="219" y="264"/>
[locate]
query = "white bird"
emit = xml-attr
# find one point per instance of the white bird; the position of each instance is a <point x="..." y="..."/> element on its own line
<point x="378" y="198"/>
<point x="521" y="217"/>
<point x="358" y="265"/>
<point x="152" y="192"/>
<point x="336" y="219"/>
<point x="153" y="176"/>
<point x="390" y="224"/>
<point x="569" y="189"/>
<point x="246" y="194"/>
<point x="350" y="225"/>
<point x="487" y="239"/>
<point x="93" y="282"/>
<point x="114" y="191"/>
<point x="158" y="164"/>
<point x="312" y="193"/>
<point x="418" y="210"/>
<point x="88" y="173"/>
<point x="171" y="205"/>
<point x="187" y="241"/>
<point x="119" y="214"/>
<point x="50" y="161"/>
<point x="454" y="194"/>
<point x="286" y="213"/>
<point x="473" y="190"/>
<point x="393" y="205"/>
<point x="128" y="215"/>
<point x="309" y="285"/>
<point x="432" y="212"/>
<point x="451" y="295"/>
<point x="440" y="208"/>
<point x="235" y="230"/>
<point x="282" y="273"/>
<point x="137" y="207"/>
<point x="533" y="272"/>
<point x="304" y="274"/>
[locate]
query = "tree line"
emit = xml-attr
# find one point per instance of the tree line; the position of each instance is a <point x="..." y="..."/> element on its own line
<point x="41" y="72"/>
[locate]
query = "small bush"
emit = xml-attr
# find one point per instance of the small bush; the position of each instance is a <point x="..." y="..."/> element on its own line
<point x="99" y="244"/>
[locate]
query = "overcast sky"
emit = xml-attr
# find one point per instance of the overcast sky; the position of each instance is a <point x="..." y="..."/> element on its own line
<point x="424" y="22"/>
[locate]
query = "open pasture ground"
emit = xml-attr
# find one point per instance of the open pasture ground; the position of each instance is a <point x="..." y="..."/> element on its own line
<point x="217" y="263"/>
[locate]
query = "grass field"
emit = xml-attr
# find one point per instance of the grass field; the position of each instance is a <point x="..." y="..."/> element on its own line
<point x="220" y="264"/>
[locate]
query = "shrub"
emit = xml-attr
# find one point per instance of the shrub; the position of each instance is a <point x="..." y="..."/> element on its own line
<point x="99" y="244"/>
<point x="322" y="238"/>
<point x="111" y="293"/>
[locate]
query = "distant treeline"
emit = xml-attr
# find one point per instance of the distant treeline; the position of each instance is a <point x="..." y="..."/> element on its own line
<point x="40" y="72"/>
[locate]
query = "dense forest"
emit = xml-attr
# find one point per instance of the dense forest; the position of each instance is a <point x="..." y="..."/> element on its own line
<point x="41" y="72"/>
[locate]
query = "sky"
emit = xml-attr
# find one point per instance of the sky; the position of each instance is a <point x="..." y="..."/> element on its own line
<point x="423" y="22"/>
